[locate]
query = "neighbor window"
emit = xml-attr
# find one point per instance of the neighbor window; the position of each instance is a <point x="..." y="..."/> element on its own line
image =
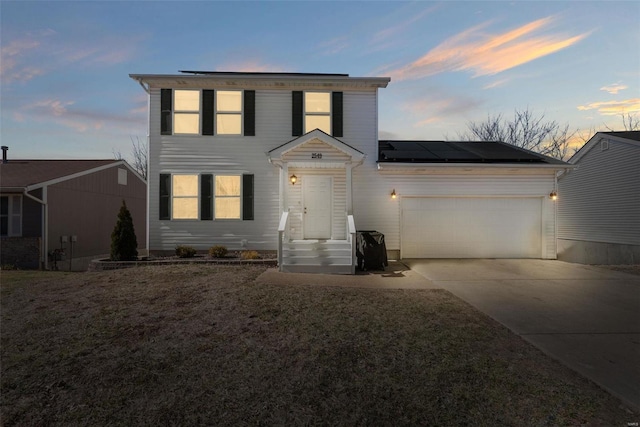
<point x="186" y="117"/>
<point x="229" y="112"/>
<point x="10" y="215"/>
<point x="227" y="196"/>
<point x="184" y="199"/>
<point x="317" y="111"/>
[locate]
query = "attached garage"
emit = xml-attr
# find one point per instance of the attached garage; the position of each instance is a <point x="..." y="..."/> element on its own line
<point x="471" y="227"/>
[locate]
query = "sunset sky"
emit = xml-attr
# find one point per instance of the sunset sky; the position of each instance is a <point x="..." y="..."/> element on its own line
<point x="65" y="90"/>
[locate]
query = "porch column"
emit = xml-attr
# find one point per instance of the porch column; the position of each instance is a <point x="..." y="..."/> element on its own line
<point x="349" y="190"/>
<point x="284" y="180"/>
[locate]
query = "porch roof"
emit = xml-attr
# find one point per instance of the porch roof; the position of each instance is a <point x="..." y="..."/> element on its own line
<point x="276" y="155"/>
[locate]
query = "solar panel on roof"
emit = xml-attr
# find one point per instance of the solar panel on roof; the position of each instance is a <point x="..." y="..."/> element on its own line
<point x="408" y="155"/>
<point x="492" y="151"/>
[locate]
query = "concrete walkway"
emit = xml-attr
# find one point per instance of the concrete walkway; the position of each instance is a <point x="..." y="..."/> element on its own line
<point x="586" y="317"/>
<point x="396" y="276"/>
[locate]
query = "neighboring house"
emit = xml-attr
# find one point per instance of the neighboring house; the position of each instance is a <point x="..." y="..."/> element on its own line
<point x="292" y="162"/>
<point x="44" y="200"/>
<point x="599" y="202"/>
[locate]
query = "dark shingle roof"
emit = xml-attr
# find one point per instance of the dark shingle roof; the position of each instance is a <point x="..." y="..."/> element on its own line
<point x="457" y="152"/>
<point x="629" y="134"/>
<point x="22" y="173"/>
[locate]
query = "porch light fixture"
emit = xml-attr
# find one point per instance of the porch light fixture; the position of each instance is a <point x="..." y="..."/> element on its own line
<point x="293" y="179"/>
<point x="553" y="195"/>
<point x="393" y="194"/>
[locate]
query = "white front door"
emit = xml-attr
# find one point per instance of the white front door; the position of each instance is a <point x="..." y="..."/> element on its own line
<point x="316" y="195"/>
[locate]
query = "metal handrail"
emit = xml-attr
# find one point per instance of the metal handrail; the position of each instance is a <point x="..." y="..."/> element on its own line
<point x="351" y="225"/>
<point x="282" y="228"/>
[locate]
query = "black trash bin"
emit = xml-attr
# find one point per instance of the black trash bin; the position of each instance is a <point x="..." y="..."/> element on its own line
<point x="371" y="250"/>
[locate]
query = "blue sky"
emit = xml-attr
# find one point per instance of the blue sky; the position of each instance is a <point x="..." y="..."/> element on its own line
<point x="65" y="90"/>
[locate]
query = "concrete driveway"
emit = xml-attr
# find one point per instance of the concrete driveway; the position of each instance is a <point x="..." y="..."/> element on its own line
<point x="584" y="316"/>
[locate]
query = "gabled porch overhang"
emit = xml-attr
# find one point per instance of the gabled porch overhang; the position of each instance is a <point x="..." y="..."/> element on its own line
<point x="313" y="156"/>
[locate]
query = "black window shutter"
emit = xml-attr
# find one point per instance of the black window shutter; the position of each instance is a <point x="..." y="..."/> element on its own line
<point x="207" y="112"/>
<point x="165" y="111"/>
<point x="249" y="113"/>
<point x="247" y="197"/>
<point x="297" y="114"/>
<point x="165" y="196"/>
<point x="336" y="114"/>
<point x="206" y="197"/>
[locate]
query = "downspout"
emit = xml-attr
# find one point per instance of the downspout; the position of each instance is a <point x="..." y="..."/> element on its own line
<point x="45" y="224"/>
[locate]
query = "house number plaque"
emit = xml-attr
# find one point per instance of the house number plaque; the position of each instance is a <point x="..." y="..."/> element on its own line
<point x="316" y="155"/>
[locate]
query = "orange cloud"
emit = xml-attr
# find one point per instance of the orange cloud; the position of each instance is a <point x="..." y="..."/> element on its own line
<point x="487" y="54"/>
<point x="613" y="108"/>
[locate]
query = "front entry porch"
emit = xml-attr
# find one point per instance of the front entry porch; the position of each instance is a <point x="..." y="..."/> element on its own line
<point x="316" y="233"/>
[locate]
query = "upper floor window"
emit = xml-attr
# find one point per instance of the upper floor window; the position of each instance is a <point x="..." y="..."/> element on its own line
<point x="186" y="115"/>
<point x="229" y="112"/>
<point x="192" y="112"/>
<point x="10" y="215"/>
<point x="317" y="111"/>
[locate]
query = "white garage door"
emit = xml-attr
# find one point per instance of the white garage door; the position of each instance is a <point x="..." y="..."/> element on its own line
<point x="471" y="227"/>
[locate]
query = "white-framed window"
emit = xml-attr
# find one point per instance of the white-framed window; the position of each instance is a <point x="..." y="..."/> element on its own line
<point x="184" y="197"/>
<point x="11" y="215"/>
<point x="228" y="112"/>
<point x="186" y="115"/>
<point x="317" y="111"/>
<point x="227" y="196"/>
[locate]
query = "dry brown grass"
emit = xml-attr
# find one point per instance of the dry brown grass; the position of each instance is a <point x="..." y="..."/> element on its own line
<point x="203" y="344"/>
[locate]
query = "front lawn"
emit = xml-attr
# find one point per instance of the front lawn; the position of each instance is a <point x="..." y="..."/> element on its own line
<point x="204" y="344"/>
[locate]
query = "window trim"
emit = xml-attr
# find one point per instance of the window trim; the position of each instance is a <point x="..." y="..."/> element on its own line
<point x="240" y="197"/>
<point x="217" y="112"/>
<point x="172" y="197"/>
<point x="197" y="112"/>
<point x="322" y="114"/>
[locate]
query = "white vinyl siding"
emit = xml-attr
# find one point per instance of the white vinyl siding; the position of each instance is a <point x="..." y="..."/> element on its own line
<point x="600" y="200"/>
<point x="374" y="209"/>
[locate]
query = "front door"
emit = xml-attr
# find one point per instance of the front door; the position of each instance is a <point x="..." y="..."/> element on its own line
<point x="317" y="206"/>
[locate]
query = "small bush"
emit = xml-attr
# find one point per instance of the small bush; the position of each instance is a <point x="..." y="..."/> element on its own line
<point x="249" y="255"/>
<point x="185" y="251"/>
<point x="218" y="251"/>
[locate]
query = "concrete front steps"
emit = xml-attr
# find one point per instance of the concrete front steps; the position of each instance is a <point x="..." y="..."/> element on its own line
<point x="317" y="256"/>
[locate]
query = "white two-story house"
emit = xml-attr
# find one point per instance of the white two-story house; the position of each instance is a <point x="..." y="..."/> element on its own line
<point x="292" y="162"/>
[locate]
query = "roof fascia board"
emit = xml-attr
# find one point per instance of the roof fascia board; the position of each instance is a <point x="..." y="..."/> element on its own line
<point x="410" y="166"/>
<point x="594" y="140"/>
<point x="158" y="80"/>
<point x="79" y="174"/>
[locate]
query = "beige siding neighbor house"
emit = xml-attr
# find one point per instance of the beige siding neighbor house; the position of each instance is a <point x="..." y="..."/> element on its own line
<point x="599" y="207"/>
<point x="69" y="206"/>
<point x="291" y="162"/>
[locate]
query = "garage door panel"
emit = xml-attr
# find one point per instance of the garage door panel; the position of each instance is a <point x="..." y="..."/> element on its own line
<point x="471" y="227"/>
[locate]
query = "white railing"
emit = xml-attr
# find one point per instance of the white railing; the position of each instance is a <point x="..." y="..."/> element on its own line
<point x="282" y="229"/>
<point x="351" y="228"/>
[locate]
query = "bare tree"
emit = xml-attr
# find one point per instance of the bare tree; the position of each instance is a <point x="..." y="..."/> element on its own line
<point x="630" y="122"/>
<point x="139" y="157"/>
<point x="525" y="130"/>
